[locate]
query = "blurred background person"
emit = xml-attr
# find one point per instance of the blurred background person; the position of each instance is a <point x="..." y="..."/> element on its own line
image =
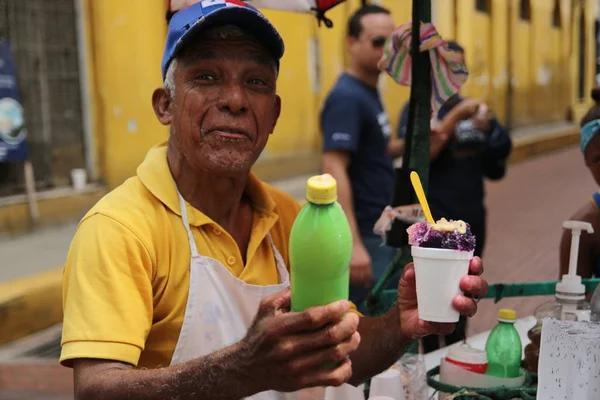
<point x="356" y="132"/>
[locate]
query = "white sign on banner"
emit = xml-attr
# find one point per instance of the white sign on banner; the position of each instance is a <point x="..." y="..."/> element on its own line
<point x="293" y="5"/>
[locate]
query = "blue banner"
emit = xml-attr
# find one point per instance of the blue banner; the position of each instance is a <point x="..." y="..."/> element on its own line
<point x="13" y="133"/>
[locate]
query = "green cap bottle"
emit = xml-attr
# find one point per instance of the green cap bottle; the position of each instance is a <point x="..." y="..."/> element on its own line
<point x="503" y="347"/>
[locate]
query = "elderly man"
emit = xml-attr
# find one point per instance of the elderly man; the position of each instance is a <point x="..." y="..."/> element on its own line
<point x="176" y="283"/>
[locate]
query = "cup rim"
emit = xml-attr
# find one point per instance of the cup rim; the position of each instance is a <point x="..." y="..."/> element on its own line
<point x="441" y="254"/>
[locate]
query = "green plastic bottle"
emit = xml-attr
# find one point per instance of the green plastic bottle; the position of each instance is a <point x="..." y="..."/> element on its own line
<point x="320" y="248"/>
<point x="504" y="348"/>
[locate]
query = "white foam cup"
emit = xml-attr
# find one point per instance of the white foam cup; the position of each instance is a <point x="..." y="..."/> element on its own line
<point x="388" y="383"/>
<point x="345" y="392"/>
<point x="438" y="274"/>
<point x="79" y="178"/>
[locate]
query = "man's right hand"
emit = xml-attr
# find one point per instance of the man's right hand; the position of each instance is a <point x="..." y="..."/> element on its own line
<point x="361" y="269"/>
<point x="286" y="351"/>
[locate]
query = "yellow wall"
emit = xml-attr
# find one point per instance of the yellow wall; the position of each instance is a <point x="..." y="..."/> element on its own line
<point x="126" y="40"/>
<point x="580" y="105"/>
<point x="542" y="58"/>
<point x="297" y="128"/>
<point x="520" y="52"/>
<point x="477" y="48"/>
<point x="395" y="96"/>
<point x="499" y="57"/>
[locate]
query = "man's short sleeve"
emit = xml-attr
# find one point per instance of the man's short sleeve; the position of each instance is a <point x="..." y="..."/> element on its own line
<point x="107" y="293"/>
<point x="341" y="122"/>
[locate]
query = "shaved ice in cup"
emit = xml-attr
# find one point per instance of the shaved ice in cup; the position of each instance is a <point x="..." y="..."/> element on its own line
<point x="441" y="254"/>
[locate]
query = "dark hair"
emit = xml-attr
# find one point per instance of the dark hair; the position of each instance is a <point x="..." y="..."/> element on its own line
<point x="454" y="46"/>
<point x="355" y="22"/>
<point x="594" y="112"/>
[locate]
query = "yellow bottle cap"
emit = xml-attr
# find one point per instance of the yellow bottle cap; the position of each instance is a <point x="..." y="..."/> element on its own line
<point x="321" y="189"/>
<point x="508" y="314"/>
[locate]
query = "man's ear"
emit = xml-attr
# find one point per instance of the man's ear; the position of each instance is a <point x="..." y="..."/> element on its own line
<point x="161" y="102"/>
<point x="277" y="112"/>
<point x="350" y="42"/>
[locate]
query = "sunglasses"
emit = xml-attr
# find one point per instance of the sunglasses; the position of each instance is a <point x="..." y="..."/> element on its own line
<point x="378" y="42"/>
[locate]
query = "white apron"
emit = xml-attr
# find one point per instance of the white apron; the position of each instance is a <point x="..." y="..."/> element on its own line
<point x="220" y="307"/>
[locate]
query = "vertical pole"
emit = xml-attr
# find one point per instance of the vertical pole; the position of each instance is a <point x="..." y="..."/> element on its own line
<point x="422" y="130"/>
<point x="34" y="213"/>
<point x="416" y="154"/>
<point x="89" y="144"/>
<point x="416" y="157"/>
<point x="509" y="66"/>
<point x="45" y="99"/>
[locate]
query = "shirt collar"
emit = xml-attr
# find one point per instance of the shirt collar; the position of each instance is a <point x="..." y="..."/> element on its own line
<point x="155" y="175"/>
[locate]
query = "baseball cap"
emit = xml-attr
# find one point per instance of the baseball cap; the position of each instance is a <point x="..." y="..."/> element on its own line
<point x="186" y="23"/>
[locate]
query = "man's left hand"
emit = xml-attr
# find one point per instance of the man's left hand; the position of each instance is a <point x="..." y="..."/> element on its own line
<point x="473" y="286"/>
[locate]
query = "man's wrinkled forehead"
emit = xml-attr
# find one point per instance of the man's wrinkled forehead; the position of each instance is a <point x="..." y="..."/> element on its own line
<point x="241" y="49"/>
<point x="206" y="52"/>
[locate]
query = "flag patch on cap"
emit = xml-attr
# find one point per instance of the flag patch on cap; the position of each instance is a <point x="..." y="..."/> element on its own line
<point x="211" y="5"/>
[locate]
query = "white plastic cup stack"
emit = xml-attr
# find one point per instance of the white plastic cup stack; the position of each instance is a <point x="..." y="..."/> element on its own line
<point x="438" y="273"/>
<point x="79" y="178"/>
<point x="345" y="392"/>
<point x="388" y="383"/>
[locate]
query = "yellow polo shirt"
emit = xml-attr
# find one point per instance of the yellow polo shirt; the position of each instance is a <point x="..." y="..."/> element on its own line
<point x="126" y="277"/>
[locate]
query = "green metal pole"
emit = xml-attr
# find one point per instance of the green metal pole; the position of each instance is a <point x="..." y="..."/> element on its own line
<point x="419" y="141"/>
<point x="421" y="138"/>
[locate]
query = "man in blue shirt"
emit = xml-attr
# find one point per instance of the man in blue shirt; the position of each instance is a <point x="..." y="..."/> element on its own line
<point x="356" y="133"/>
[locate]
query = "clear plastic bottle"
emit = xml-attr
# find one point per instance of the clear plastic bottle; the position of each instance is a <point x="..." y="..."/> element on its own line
<point x="504" y="347"/>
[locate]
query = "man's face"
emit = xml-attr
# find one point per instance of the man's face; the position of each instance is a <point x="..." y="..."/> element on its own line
<point x="592" y="158"/>
<point x="225" y="104"/>
<point x="367" y="49"/>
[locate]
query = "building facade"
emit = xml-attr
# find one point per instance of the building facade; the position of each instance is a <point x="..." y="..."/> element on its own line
<point x="89" y="72"/>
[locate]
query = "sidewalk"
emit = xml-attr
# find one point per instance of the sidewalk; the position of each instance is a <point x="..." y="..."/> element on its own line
<point x="35" y="252"/>
<point x="30" y="271"/>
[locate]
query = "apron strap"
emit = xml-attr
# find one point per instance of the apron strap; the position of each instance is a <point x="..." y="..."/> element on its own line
<point x="282" y="271"/>
<point x="186" y="224"/>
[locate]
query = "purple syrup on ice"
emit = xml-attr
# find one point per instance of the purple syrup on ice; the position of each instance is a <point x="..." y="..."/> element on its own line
<point x="422" y="234"/>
